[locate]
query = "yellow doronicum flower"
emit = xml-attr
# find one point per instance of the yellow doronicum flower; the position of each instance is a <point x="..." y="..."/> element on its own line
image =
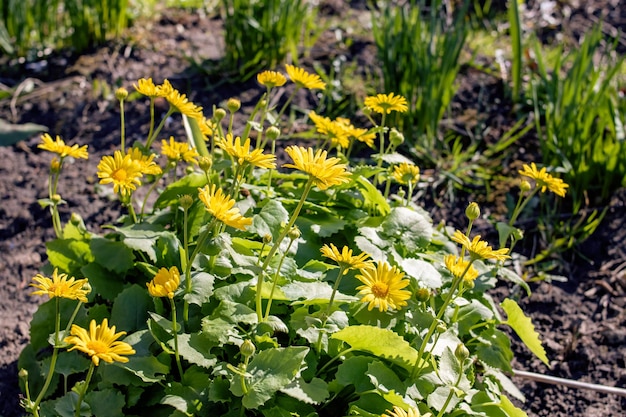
<point x="383" y="287"/>
<point x="241" y="153"/>
<point x="345" y="259"/>
<point x="399" y="412"/>
<point x="406" y="173"/>
<point x="207" y="126"/>
<point x="179" y="151"/>
<point x="386" y="103"/>
<point x="179" y="101"/>
<point x="120" y="170"/>
<point x="164" y="283"/>
<point x="457" y="266"/>
<point x="59" y="147"/>
<point x="479" y="249"/>
<point x="304" y="79"/>
<point x="324" y="171"/>
<point x="146" y="87"/>
<point x="221" y="207"/>
<point x="61" y="286"/>
<point x="271" y="79"/>
<point x="100" y="342"/>
<point x="544" y="180"/>
<point x="147" y="166"/>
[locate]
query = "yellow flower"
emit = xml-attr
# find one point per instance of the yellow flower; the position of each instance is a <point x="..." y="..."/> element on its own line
<point x="399" y="412"/>
<point x="325" y="172"/>
<point x="360" y="134"/>
<point x="221" y="207"/>
<point x="345" y="258"/>
<point x="61" y="286"/>
<point x="59" y="147"/>
<point x="146" y="87"/>
<point x="179" y="101"/>
<point x="386" y="103"/>
<point x="303" y="79"/>
<point x="147" y="166"/>
<point x="544" y="180"/>
<point x="242" y="152"/>
<point x="383" y="287"/>
<point x="406" y="173"/>
<point x="164" y="283"/>
<point x="120" y="170"/>
<point x="271" y="79"/>
<point x="99" y="343"/>
<point x="479" y="249"/>
<point x="207" y="126"/>
<point x="179" y="151"/>
<point x="457" y="266"/>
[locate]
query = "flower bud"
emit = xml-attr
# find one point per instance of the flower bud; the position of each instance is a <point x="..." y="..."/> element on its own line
<point x="75" y="219"/>
<point x="247" y="348"/>
<point x="472" y="211"/>
<point x="205" y="163"/>
<point x="469" y="283"/>
<point x="263" y="103"/>
<point x="422" y="295"/>
<point x="219" y="115"/>
<point x="272" y="133"/>
<point x="294" y="233"/>
<point x="233" y="105"/>
<point x="518" y="234"/>
<point x="401" y="193"/>
<point x="396" y="138"/>
<point x="56" y="199"/>
<point x="525" y="186"/>
<point x="461" y="352"/>
<point x="23" y="373"/>
<point x="185" y="201"/>
<point x="86" y="287"/>
<point x="121" y="94"/>
<point x="267" y="239"/>
<point x="441" y="327"/>
<point x="55" y="165"/>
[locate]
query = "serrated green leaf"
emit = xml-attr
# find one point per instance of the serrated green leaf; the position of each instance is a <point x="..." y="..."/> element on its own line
<point x="384" y="379"/>
<point x="322" y="224"/>
<point x="114" y="256"/>
<point x="413" y="229"/>
<point x="524" y="328"/>
<point x="69" y="255"/>
<point x="106" y="402"/>
<point x="69" y="363"/>
<point x="423" y="272"/>
<point x="102" y="282"/>
<point x="130" y="309"/>
<point x="66" y="406"/>
<point x="353" y="371"/>
<point x="270" y="220"/>
<point x="147" y="368"/>
<point x="383" y="343"/>
<point x="439" y="397"/>
<point x="195" y="349"/>
<point x="510" y="408"/>
<point x="495" y="349"/>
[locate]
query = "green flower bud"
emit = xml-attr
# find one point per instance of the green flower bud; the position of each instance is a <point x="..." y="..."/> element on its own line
<point x="121" y="94"/>
<point x="469" y="284"/>
<point x="518" y="234"/>
<point x="233" y="105"/>
<point x="185" y="201"/>
<point x="461" y="352"/>
<point x="219" y="115"/>
<point x="294" y="233"/>
<point x="75" y="219"/>
<point x="525" y="186"/>
<point x="23" y="373"/>
<point x="56" y="199"/>
<point x="441" y="327"/>
<point x="205" y="163"/>
<point x="267" y="239"/>
<point x="55" y="165"/>
<point x="396" y="138"/>
<point x="247" y="348"/>
<point x="472" y="211"/>
<point x="422" y="295"/>
<point x="272" y="133"/>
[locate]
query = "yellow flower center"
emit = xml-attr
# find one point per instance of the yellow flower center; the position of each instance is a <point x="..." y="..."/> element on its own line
<point x="119" y="175"/>
<point x="97" y="346"/>
<point x="380" y="289"/>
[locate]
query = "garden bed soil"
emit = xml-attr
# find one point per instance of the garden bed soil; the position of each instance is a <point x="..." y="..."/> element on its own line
<point x="582" y="321"/>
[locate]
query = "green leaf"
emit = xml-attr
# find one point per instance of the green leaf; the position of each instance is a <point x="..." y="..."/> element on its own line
<point x="384" y="379"/>
<point x="145" y="238"/>
<point x="195" y="349"/>
<point x="383" y="343"/>
<point x="511" y="276"/>
<point x="66" y="406"/>
<point x="147" y="368"/>
<point x="270" y="220"/>
<point x="322" y="224"/>
<point x="114" y="256"/>
<point x="11" y="134"/>
<point x="524" y="328"/>
<point x="373" y="198"/>
<point x="439" y="397"/>
<point x="272" y="370"/>
<point x="189" y="184"/>
<point x="102" y="282"/>
<point x="353" y="371"/>
<point x="313" y="392"/>
<point x="106" y="402"/>
<point x="510" y="408"/>
<point x="69" y="363"/>
<point x="495" y="349"/>
<point x="69" y="255"/>
<point x="201" y="288"/>
<point x="423" y="272"/>
<point x="413" y="229"/>
<point x="130" y="309"/>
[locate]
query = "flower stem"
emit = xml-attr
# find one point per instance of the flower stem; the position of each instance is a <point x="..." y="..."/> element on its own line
<point x="276" y="276"/>
<point x="342" y="268"/>
<point x="159" y="127"/>
<point x="122" y="128"/>
<point x="175" y="331"/>
<point x="92" y="367"/>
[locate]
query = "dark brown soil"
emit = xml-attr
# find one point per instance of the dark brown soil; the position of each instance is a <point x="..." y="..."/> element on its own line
<point x="582" y="321"/>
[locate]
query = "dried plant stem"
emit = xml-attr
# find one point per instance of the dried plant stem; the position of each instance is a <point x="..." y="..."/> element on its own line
<point x="570" y="383"/>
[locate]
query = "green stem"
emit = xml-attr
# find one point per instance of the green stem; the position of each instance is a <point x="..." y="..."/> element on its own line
<point x="122" y="128"/>
<point x="159" y="127"/>
<point x="175" y="331"/>
<point x="275" y="246"/>
<point x="342" y="269"/>
<point x="151" y="119"/>
<point x="150" y="190"/>
<point x="409" y="195"/>
<point x="451" y="393"/>
<point x="381" y="150"/>
<point x="55" y="353"/>
<point x="92" y="367"/>
<point x="276" y="276"/>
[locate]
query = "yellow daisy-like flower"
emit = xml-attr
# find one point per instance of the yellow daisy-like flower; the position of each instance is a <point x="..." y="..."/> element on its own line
<point x="271" y="79"/>
<point x="362" y="135"/>
<point x="345" y="259"/>
<point x="399" y="412"/>
<point x="146" y="87"/>
<point x="121" y="171"/>
<point x="304" y="79"/>
<point x="457" y="266"/>
<point x="386" y="103"/>
<point x="100" y="342"/>
<point x="61" y="286"/>
<point x="221" y="207"/>
<point x="406" y="173"/>
<point x="164" y="283"/>
<point x="179" y="151"/>
<point x="479" y="249"/>
<point x="383" y="287"/>
<point x="59" y="147"/>
<point x="147" y="166"/>
<point x="325" y="172"/>
<point x="544" y="180"/>
<point x="207" y="126"/>
<point x="179" y="101"/>
<point x="241" y="153"/>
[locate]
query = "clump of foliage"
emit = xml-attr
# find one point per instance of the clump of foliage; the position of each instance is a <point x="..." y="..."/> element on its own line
<point x="251" y="290"/>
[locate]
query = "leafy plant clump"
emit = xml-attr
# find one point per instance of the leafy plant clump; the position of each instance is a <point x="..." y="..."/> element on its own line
<point x="251" y="290"/>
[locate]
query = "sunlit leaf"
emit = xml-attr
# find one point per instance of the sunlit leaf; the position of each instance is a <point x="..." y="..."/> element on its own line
<point x="524" y="328"/>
